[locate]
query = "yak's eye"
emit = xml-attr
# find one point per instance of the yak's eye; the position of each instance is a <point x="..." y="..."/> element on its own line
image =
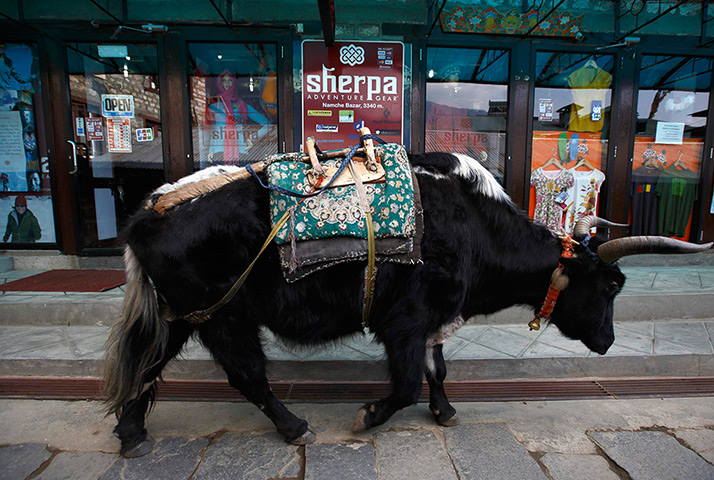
<point x="613" y="288"/>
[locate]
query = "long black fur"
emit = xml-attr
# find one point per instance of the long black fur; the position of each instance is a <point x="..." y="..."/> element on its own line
<point x="480" y="255"/>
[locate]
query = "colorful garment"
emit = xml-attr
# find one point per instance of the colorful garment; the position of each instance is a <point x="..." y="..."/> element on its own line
<point x="645" y="202"/>
<point x="583" y="196"/>
<point x="549" y="184"/>
<point x="588" y="84"/>
<point x="678" y="190"/>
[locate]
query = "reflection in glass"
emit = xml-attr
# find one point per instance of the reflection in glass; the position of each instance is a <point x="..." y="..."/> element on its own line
<point x="116" y="120"/>
<point x="25" y="194"/>
<point x="467" y="104"/>
<point x="233" y="103"/>
<point x="672" y="105"/>
<point x="571" y="116"/>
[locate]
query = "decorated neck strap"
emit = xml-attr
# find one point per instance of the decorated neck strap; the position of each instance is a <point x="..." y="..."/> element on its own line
<point x="558" y="282"/>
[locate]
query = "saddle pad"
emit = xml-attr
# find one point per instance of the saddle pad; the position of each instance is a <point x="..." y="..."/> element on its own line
<point x="336" y="211"/>
<point x="313" y="255"/>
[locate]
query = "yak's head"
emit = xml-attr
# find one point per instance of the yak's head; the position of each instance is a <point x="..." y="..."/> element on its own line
<point x="584" y="309"/>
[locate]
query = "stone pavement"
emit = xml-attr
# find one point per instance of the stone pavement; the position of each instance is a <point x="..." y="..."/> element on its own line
<point x="657" y="438"/>
<point x="664" y="327"/>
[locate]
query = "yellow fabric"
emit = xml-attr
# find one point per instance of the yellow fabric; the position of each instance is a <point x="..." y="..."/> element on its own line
<point x="587" y="84"/>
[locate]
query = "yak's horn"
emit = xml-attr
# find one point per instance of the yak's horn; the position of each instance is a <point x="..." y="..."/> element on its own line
<point x="621" y="247"/>
<point x="584" y="225"/>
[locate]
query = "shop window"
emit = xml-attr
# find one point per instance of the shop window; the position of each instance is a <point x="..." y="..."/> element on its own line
<point x="234" y="103"/>
<point x="115" y="106"/>
<point x="571" y="116"/>
<point x="467" y="104"/>
<point x="672" y="109"/>
<point x="25" y="193"/>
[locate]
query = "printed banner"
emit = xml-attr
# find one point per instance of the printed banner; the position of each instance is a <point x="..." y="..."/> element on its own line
<point x="351" y="85"/>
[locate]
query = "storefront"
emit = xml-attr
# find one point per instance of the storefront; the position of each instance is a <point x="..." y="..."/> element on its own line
<point x="576" y="107"/>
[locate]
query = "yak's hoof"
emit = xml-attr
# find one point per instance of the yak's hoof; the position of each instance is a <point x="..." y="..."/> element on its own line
<point x="141" y="448"/>
<point x="304" y="439"/>
<point x="360" y="424"/>
<point x="449" y="422"/>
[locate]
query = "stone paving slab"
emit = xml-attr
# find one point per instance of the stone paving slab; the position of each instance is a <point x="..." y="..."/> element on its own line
<point x="78" y="466"/>
<point x="19" y="461"/>
<point x="353" y="461"/>
<point x="172" y="458"/>
<point x="489" y="451"/>
<point x="653" y="454"/>
<point x="249" y="457"/>
<point x="413" y="455"/>
<point x="699" y="440"/>
<point x="582" y="467"/>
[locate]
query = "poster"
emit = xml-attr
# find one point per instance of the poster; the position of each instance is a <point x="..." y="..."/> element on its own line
<point x="670" y="133"/>
<point x="40" y="208"/>
<point x="351" y="85"/>
<point x="13" y="165"/>
<point x="119" y="135"/>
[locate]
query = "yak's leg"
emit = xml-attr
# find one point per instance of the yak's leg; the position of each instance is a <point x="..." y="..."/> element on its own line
<point x="135" y="441"/>
<point x="241" y="356"/>
<point x="406" y="358"/>
<point x="443" y="412"/>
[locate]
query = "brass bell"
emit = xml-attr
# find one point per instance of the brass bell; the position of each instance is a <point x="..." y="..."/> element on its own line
<point x="534" y="324"/>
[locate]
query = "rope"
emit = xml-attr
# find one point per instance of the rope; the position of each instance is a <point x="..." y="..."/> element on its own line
<point x="343" y="165"/>
<point x="200" y="316"/>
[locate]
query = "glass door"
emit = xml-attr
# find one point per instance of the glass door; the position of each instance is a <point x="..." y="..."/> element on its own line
<point x="672" y="108"/>
<point x="116" y="122"/>
<point x="571" y="121"/>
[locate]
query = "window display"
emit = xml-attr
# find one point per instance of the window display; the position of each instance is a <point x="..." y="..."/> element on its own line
<point x="25" y="194"/>
<point x="672" y="105"/>
<point x="570" y="133"/>
<point x="233" y="103"/>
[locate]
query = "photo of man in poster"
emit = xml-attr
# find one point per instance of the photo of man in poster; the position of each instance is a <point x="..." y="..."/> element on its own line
<point x="22" y="225"/>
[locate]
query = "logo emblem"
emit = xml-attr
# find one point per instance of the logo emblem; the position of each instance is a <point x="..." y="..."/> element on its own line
<point x="352" y="55"/>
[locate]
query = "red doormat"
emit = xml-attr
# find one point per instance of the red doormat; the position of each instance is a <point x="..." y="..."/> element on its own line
<point x="68" y="281"/>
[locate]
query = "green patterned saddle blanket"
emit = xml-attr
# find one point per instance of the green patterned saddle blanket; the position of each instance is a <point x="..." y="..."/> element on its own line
<point x="336" y="211"/>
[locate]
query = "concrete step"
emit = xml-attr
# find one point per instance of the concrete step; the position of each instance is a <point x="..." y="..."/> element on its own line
<point x="673" y="349"/>
<point x="650" y="294"/>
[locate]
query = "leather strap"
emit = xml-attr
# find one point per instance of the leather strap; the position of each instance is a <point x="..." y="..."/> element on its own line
<point x="370" y="274"/>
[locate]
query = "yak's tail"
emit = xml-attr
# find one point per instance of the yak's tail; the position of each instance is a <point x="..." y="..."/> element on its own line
<point x="137" y="341"/>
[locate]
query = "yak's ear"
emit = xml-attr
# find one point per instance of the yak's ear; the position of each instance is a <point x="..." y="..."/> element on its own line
<point x="576" y="263"/>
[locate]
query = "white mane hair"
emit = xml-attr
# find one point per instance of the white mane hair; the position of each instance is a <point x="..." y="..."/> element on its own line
<point x="486" y="184"/>
<point x="195" y="177"/>
<point x="429" y="173"/>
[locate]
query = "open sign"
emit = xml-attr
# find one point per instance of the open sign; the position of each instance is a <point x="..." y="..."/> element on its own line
<point x="118" y="106"/>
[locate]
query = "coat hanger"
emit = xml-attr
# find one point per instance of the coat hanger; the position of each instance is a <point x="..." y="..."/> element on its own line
<point x="553" y="161"/>
<point x="584" y="162"/>
<point x="679" y="163"/>
<point x="591" y="63"/>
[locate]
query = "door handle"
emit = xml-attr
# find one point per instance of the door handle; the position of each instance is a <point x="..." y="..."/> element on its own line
<point x="74" y="157"/>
